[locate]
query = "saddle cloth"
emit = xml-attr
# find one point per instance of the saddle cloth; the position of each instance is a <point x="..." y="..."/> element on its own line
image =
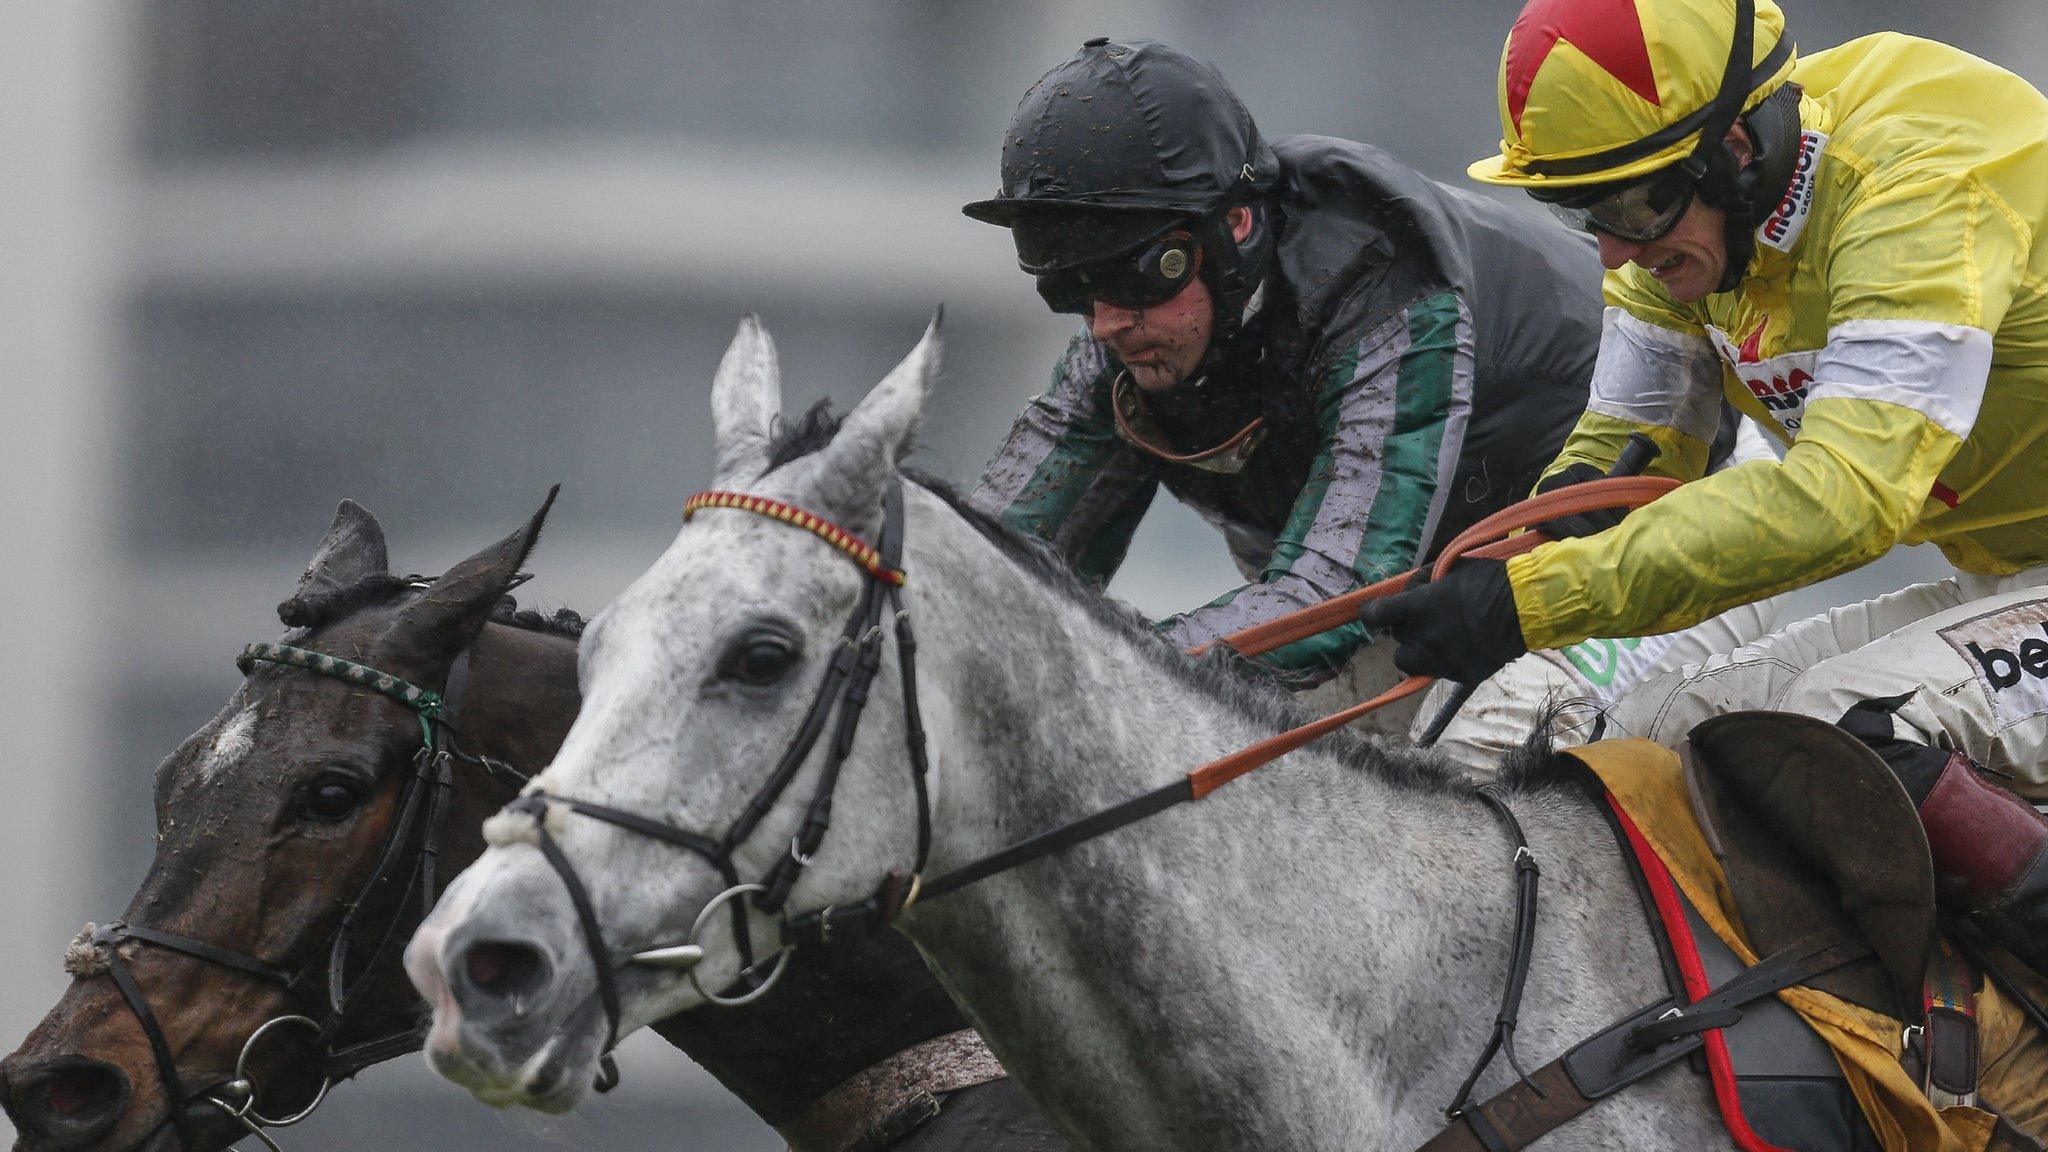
<point x="1647" y="785"/>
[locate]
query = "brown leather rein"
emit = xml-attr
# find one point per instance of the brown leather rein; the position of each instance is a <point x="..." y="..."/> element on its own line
<point x="1489" y="539"/>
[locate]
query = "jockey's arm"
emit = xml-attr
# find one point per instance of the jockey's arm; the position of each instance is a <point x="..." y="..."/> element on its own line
<point x="1920" y="275"/>
<point x="1387" y="406"/>
<point x="1064" y="476"/>
<point x="1848" y="489"/>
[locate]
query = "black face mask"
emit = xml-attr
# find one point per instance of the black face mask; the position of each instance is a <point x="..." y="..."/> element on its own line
<point x="1202" y="410"/>
<point x="1140" y="278"/>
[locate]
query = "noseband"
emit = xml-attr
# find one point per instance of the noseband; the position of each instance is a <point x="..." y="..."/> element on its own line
<point x="855" y="661"/>
<point x="422" y="805"/>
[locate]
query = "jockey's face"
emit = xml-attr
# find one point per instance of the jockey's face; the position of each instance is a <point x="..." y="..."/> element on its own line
<point x="1162" y="344"/>
<point x="1689" y="260"/>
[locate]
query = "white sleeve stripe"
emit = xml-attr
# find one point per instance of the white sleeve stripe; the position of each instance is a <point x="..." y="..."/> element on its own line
<point x="1937" y="370"/>
<point x="1655" y="376"/>
<point x="1644" y="332"/>
<point x="1458" y="415"/>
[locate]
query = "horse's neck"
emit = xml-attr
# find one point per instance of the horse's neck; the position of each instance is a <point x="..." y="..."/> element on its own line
<point x="1149" y="982"/>
<point x="834" y="1015"/>
<point x="521" y="699"/>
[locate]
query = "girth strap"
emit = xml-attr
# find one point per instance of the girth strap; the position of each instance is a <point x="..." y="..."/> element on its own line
<point x="1521" y="945"/>
<point x="1647" y="1041"/>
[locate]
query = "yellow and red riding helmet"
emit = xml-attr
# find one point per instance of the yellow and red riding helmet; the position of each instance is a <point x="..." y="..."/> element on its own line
<point x="1600" y="91"/>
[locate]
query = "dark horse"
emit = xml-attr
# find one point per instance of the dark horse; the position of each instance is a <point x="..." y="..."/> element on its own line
<point x="292" y="804"/>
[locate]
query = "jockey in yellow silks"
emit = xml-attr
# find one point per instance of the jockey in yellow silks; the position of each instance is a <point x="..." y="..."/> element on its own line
<point x="1843" y="244"/>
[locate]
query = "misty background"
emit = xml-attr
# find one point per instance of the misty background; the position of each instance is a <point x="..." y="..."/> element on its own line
<point x="257" y="256"/>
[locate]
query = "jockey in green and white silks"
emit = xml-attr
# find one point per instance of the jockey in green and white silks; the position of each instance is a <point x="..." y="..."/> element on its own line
<point x="1338" y="363"/>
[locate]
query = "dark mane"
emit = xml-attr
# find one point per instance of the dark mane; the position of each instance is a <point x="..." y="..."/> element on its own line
<point x="792" y="440"/>
<point x="1232" y="679"/>
<point x="319" y="609"/>
<point x="1537" y="764"/>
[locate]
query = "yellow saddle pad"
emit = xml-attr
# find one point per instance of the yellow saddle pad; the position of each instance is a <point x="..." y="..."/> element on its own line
<point x="1647" y="781"/>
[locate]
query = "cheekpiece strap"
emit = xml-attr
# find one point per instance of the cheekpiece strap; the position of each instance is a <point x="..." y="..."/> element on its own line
<point x="860" y="551"/>
<point x="421" y="700"/>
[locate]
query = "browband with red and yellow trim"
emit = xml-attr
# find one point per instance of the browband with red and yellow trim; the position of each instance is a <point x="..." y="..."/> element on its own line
<point x="860" y="551"/>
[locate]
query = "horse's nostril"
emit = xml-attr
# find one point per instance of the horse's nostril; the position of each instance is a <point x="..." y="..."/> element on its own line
<point x="73" y="1091"/>
<point x="504" y="969"/>
<point x="74" y="1096"/>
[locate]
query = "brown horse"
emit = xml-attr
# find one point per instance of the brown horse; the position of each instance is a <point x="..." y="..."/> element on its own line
<point x="308" y="793"/>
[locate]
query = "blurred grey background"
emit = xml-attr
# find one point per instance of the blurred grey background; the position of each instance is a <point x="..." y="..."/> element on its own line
<point x="259" y="255"/>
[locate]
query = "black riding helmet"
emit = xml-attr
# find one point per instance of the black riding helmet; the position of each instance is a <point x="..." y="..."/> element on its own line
<point x="1121" y="145"/>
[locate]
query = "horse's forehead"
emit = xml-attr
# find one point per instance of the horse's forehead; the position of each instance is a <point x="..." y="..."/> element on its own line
<point x="274" y="720"/>
<point x="727" y="557"/>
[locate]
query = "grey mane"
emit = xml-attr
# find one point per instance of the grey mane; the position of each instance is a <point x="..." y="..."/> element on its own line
<point x="1222" y="674"/>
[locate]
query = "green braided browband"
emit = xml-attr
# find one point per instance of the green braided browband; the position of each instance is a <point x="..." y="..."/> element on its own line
<point x="420" y="700"/>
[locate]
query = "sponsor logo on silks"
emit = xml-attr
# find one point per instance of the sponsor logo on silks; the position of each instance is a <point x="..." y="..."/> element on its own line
<point x="2007" y="651"/>
<point x="1599" y="660"/>
<point x="1607" y="668"/>
<point x="1782" y="228"/>
<point x="1779" y="383"/>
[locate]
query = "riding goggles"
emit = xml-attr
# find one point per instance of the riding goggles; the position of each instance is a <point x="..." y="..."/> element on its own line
<point x="1139" y="278"/>
<point x="1639" y="211"/>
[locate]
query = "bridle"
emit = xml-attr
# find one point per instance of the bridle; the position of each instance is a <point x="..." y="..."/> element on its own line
<point x="855" y="661"/>
<point x="422" y="808"/>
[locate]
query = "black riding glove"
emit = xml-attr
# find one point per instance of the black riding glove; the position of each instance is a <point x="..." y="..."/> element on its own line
<point x="1579" y="523"/>
<point x="1462" y="627"/>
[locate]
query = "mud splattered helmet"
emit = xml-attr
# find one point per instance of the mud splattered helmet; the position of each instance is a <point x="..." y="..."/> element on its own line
<point x="1113" y="151"/>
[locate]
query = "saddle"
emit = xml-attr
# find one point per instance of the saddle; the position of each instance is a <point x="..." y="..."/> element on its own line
<point x="1813" y="830"/>
<point x="1774" y="826"/>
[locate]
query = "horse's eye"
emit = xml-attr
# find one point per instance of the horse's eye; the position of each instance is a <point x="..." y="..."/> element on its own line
<point x="760" y="662"/>
<point x="332" y="799"/>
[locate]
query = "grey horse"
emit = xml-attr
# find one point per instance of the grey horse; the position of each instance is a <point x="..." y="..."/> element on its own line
<point x="1309" y="959"/>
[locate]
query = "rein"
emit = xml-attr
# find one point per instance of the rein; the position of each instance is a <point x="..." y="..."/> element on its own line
<point x="422" y="807"/>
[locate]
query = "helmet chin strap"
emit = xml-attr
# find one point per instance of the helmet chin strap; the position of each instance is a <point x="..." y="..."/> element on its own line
<point x="1745" y="193"/>
<point x="1236" y="276"/>
<point x="1753" y="191"/>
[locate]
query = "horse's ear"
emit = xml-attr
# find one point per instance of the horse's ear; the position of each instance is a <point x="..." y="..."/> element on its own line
<point x="746" y="398"/>
<point x="876" y="434"/>
<point x="352" y="551"/>
<point x="452" y="610"/>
